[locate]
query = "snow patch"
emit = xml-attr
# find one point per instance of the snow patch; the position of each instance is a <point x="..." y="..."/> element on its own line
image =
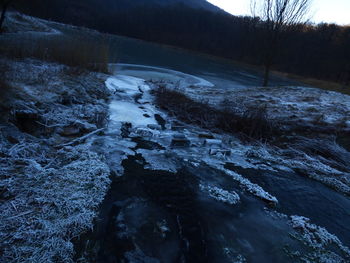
<point x="254" y="189"/>
<point x="219" y="194"/>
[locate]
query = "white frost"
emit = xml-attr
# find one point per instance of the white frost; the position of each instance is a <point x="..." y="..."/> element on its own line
<point x="219" y="194"/>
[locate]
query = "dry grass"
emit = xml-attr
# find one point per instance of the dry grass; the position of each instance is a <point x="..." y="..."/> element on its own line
<point x="81" y="52"/>
<point x="252" y="124"/>
<point x="321" y="84"/>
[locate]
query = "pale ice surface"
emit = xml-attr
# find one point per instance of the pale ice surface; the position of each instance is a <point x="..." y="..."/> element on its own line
<point x="156" y="73"/>
<point x="126" y="84"/>
<point x="123" y="111"/>
<point x="159" y="160"/>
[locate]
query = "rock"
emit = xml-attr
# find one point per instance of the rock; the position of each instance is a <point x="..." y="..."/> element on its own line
<point x="177" y="126"/>
<point x="154" y="126"/>
<point x="125" y="129"/>
<point x="206" y="136"/>
<point x="213" y="142"/>
<point x="160" y="120"/>
<point x="76" y="129"/>
<point x="180" y="140"/>
<point x="85" y="126"/>
<point x="222" y="152"/>
<point x="144" y="132"/>
<point x="69" y="131"/>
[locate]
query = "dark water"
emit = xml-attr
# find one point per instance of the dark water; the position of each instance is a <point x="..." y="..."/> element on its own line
<point x="199" y="229"/>
<point x="300" y="195"/>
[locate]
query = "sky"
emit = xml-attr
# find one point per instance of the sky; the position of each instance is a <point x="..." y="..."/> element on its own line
<point x="330" y="11"/>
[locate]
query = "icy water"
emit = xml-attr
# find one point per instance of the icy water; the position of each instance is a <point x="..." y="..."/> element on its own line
<point x="178" y="196"/>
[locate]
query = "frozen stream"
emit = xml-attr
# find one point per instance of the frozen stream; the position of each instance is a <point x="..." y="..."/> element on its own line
<point x="182" y="194"/>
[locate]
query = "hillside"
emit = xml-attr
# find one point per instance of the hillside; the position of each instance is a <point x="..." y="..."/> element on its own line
<point x="91" y="12"/>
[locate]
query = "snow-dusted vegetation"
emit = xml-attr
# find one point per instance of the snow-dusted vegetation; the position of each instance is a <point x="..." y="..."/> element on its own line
<point x="51" y="181"/>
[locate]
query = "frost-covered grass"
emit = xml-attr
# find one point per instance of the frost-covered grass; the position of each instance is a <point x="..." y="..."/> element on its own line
<point x="252" y="123"/>
<point x="46" y="205"/>
<point x="319" y="240"/>
<point x="301" y="141"/>
<point x="49" y="194"/>
<point x="219" y="194"/>
<point x="16" y="22"/>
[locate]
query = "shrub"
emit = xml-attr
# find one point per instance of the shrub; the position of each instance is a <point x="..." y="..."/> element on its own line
<point x="252" y="124"/>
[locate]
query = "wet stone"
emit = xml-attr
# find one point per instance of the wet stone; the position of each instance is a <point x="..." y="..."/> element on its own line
<point x="160" y="120"/>
<point x="222" y="152"/>
<point x="154" y="126"/>
<point x="69" y="131"/>
<point x="206" y="136"/>
<point x="125" y="129"/>
<point x="180" y="140"/>
<point x="213" y="143"/>
<point x="142" y="132"/>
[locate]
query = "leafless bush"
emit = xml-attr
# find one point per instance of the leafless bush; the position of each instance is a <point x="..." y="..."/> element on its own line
<point x="253" y="124"/>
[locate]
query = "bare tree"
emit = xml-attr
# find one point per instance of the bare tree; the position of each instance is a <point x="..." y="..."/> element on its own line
<point x="277" y="15"/>
<point x="4" y="6"/>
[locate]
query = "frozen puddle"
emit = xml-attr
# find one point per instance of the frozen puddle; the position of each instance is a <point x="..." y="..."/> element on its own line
<point x="122" y="111"/>
<point x="126" y="84"/>
<point x="125" y="108"/>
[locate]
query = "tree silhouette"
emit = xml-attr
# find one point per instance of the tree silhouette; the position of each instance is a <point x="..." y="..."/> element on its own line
<point x="276" y="15"/>
<point x="4" y="5"/>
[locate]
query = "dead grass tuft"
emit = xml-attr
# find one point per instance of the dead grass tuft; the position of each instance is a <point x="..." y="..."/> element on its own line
<point x="252" y="124"/>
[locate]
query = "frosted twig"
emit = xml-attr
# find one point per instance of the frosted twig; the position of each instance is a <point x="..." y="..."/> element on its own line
<point x="81" y="139"/>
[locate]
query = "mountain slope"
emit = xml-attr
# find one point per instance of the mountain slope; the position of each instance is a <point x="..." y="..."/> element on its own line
<point x="93" y="13"/>
<point x="92" y="10"/>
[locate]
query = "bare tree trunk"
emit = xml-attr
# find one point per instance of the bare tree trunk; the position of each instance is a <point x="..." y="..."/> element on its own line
<point x="5" y="5"/>
<point x="266" y="76"/>
<point x="270" y="49"/>
<point x="276" y="15"/>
